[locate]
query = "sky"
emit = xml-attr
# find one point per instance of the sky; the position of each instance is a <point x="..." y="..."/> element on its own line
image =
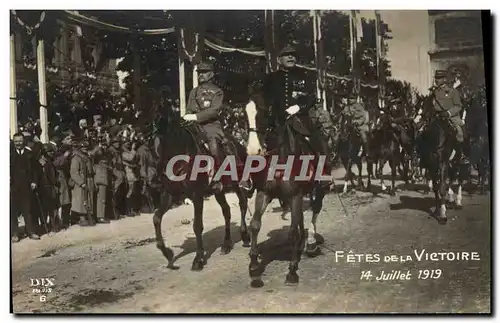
<point x="409" y="46"/>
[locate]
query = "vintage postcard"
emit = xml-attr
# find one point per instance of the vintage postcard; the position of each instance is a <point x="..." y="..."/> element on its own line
<point x="250" y="161"/>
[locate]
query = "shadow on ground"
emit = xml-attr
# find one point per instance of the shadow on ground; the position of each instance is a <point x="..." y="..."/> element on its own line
<point x="212" y="240"/>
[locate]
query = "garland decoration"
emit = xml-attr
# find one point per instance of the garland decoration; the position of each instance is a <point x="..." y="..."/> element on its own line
<point x="183" y="45"/>
<point x="29" y="29"/>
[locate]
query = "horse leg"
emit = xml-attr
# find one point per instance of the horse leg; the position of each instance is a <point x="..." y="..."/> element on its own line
<point x="359" y="164"/>
<point x="392" y="164"/>
<point x="262" y="200"/>
<point x="348" y="176"/>
<point x="243" y="202"/>
<point x="369" y="170"/>
<point x="164" y="205"/>
<point x="285" y="209"/>
<point x="227" y="245"/>
<point x="440" y="193"/>
<point x="199" y="260"/>
<point x="312" y="248"/>
<point x="451" y="194"/>
<point x="296" y="237"/>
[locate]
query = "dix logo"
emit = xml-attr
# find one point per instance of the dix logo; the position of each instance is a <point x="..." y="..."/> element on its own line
<point x="42" y="282"/>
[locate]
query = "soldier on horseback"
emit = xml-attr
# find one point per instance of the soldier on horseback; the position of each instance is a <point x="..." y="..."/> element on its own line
<point x="204" y="104"/>
<point x="288" y="94"/>
<point x="356" y="112"/>
<point x="447" y="106"/>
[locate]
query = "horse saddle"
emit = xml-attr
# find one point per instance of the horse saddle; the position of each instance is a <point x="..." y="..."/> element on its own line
<point x="196" y="133"/>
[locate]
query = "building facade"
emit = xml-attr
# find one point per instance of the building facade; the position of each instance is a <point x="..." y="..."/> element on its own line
<point x="456" y="41"/>
<point x="67" y="62"/>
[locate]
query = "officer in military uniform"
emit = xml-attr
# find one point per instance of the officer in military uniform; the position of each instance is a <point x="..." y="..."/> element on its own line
<point x="203" y="106"/>
<point x="287" y="93"/>
<point x="356" y="112"/>
<point x="447" y="106"/>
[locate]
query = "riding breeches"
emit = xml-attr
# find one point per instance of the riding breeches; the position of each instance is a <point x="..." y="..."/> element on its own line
<point x="456" y="123"/>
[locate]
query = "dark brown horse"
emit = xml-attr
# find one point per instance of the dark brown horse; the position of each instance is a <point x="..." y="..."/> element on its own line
<point x="183" y="138"/>
<point x="271" y="138"/>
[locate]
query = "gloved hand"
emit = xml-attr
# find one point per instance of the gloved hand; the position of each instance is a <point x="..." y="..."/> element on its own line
<point x="293" y="109"/>
<point x="190" y="117"/>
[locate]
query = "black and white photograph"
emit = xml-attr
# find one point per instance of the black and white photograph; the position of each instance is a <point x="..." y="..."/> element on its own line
<point x="250" y="161"/>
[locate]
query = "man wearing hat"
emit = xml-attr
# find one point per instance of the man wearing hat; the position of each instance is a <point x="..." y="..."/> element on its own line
<point x="287" y="92"/>
<point x="24" y="179"/>
<point x="118" y="182"/>
<point x="49" y="190"/>
<point x="447" y="105"/>
<point x="360" y="118"/>
<point x="82" y="194"/>
<point x="204" y="104"/>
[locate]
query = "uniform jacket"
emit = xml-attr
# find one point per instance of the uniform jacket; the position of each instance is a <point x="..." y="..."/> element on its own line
<point x="446" y="98"/>
<point x="358" y="114"/>
<point x="117" y="167"/>
<point x="283" y="89"/>
<point x="62" y="164"/>
<point x="101" y="168"/>
<point x="206" y="101"/>
<point x="146" y="163"/>
<point x="130" y="160"/>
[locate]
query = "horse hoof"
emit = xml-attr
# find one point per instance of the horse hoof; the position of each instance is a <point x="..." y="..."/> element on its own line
<point x="442" y="220"/>
<point x="198" y="264"/>
<point x="245" y="238"/>
<point x="257" y="283"/>
<point x="226" y="247"/>
<point x="255" y="271"/>
<point x="312" y="250"/>
<point x="292" y="279"/>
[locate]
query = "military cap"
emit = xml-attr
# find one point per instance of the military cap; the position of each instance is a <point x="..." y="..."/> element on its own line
<point x="27" y="134"/>
<point x="439" y="74"/>
<point x="288" y="49"/>
<point x="205" y="67"/>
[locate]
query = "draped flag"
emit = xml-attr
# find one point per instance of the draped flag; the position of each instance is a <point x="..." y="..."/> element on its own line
<point x="191" y="36"/>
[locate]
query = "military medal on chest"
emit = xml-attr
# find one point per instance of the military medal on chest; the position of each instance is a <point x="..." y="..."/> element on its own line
<point x="206" y="98"/>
